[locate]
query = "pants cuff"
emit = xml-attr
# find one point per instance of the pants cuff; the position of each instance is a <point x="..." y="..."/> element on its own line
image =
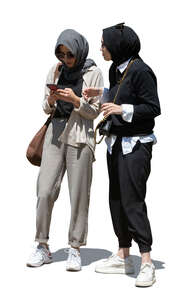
<point x="41" y="240"/>
<point x="76" y="244"/>
<point x="144" y="249"/>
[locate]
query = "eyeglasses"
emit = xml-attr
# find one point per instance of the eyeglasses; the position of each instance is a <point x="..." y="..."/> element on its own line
<point x="61" y="55"/>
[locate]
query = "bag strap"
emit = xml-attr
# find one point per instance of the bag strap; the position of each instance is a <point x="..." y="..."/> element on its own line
<point x="56" y="73"/>
<point x="114" y="100"/>
<point x="128" y="66"/>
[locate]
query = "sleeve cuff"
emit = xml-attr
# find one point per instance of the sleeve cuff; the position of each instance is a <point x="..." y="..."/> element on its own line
<point x="84" y="106"/>
<point x="80" y="108"/>
<point x="127" y="112"/>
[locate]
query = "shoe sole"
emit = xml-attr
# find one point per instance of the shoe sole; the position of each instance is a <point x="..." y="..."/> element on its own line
<point x="113" y="271"/>
<point x="73" y="269"/>
<point x="35" y="265"/>
<point x="145" y="284"/>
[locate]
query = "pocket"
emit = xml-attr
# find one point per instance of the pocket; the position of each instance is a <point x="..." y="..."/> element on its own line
<point x="148" y="148"/>
<point x="137" y="146"/>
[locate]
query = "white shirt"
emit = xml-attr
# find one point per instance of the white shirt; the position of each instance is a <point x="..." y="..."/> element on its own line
<point x="128" y="143"/>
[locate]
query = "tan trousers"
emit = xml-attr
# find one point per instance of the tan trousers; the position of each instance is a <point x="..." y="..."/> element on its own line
<point x="57" y="158"/>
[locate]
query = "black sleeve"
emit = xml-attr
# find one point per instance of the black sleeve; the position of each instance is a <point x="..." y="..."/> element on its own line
<point x="145" y="86"/>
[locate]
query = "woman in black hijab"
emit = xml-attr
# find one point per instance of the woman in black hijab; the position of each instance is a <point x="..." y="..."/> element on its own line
<point x="68" y="145"/>
<point x="129" y="148"/>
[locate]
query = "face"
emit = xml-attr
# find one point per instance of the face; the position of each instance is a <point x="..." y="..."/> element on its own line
<point x="105" y="53"/>
<point x="65" y="55"/>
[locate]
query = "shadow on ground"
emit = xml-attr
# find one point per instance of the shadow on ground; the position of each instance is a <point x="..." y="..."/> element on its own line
<point x="90" y="255"/>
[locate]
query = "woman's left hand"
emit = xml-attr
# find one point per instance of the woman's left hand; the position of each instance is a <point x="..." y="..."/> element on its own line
<point x="111" y="109"/>
<point x="68" y="95"/>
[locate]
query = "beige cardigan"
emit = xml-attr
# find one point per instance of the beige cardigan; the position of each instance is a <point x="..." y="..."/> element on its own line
<point x="79" y="129"/>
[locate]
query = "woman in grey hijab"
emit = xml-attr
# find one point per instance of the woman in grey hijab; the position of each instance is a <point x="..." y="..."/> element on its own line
<point x="69" y="145"/>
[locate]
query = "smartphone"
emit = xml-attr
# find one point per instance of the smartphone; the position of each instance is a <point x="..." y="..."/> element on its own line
<point x="52" y="86"/>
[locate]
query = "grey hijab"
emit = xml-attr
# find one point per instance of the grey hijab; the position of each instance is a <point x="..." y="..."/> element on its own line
<point x="79" y="47"/>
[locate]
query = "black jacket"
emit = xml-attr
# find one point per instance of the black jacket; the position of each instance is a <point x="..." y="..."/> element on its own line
<point x="140" y="89"/>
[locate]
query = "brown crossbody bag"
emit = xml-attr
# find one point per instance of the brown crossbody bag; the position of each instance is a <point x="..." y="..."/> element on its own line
<point x="34" y="150"/>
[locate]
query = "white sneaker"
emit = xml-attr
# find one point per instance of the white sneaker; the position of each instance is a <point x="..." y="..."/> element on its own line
<point x="73" y="260"/>
<point x="146" y="275"/>
<point x="115" y="265"/>
<point x="39" y="256"/>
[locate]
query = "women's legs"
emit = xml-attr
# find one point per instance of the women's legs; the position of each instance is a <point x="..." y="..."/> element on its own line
<point x="79" y="172"/>
<point x="134" y="170"/>
<point x="49" y="180"/>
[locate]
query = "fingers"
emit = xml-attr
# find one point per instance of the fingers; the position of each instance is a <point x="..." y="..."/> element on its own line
<point x="86" y="91"/>
<point x="105" y="115"/>
<point x="92" y="92"/>
<point x="106" y="106"/>
<point x="53" y="97"/>
<point x="108" y="112"/>
<point x="62" y="93"/>
<point x="110" y="109"/>
<point x="66" y="90"/>
<point x="85" y="97"/>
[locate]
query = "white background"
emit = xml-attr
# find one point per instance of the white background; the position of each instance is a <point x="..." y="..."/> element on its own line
<point x="29" y="30"/>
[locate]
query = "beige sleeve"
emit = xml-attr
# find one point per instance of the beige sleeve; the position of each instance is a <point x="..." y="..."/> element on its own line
<point x="50" y="79"/>
<point x="91" y="109"/>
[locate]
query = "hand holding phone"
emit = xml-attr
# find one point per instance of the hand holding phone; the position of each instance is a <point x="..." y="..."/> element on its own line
<point x="52" y="86"/>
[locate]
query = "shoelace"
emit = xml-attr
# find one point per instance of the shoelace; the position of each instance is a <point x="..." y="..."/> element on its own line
<point x="111" y="256"/>
<point x="33" y="254"/>
<point x="144" y="266"/>
<point x="41" y="251"/>
<point x="36" y="253"/>
<point x="72" y="253"/>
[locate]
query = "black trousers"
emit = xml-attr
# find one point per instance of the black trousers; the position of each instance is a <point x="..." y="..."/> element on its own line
<point x="128" y="175"/>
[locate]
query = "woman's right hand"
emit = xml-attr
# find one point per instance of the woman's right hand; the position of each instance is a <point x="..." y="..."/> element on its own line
<point x="52" y="98"/>
<point x="92" y="92"/>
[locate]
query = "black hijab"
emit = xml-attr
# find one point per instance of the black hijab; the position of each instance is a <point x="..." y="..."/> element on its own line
<point x="122" y="42"/>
